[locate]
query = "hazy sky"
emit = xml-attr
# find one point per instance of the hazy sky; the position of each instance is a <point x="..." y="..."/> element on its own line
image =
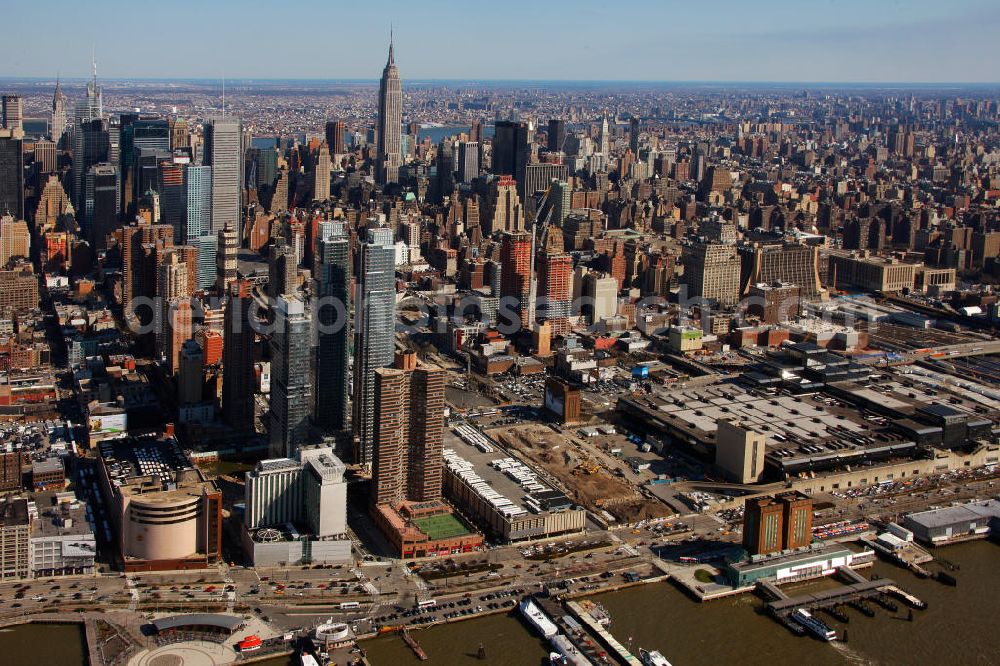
<point x="658" y="40"/>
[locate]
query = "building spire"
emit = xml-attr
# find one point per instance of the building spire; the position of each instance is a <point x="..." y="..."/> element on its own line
<point x="392" y="57"/>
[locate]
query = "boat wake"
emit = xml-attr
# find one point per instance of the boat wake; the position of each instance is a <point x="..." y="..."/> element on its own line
<point x="852" y="656"/>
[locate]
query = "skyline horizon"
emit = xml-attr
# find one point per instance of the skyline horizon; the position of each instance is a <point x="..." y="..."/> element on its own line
<point x="776" y="40"/>
<point x="473" y="80"/>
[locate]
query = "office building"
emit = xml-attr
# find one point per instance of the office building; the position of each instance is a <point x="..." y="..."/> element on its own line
<point x="321" y="174"/>
<point x="15" y="239"/>
<point x="390" y="120"/>
<point x="710" y="272"/>
<point x="227" y="247"/>
<point x="15" y="534"/>
<point x="335" y="137"/>
<point x="101" y="203"/>
<point x="633" y="135"/>
<point x="791" y="263"/>
<point x="291" y="387"/>
<point x="57" y="127"/>
<point x="13" y="114"/>
<point x="511" y="148"/>
<point x="281" y="490"/>
<point x="445" y="174"/>
<point x="504" y="212"/>
<point x="468" y="161"/>
<point x="600" y="297"/>
<point x="197" y="224"/>
<point x="374" y="333"/>
<point x="11" y="174"/>
<point x="238" y="358"/>
<point x="296" y="510"/>
<point x="223" y="152"/>
<point x="282" y="269"/>
<point x="85" y="112"/>
<point x="189" y="376"/>
<point x="333" y="351"/>
<point x="557" y="135"/>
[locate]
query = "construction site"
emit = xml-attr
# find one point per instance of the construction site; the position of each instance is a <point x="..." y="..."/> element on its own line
<point x="580" y="475"/>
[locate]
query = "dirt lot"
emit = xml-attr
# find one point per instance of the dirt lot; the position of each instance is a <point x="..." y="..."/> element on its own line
<point x="587" y="482"/>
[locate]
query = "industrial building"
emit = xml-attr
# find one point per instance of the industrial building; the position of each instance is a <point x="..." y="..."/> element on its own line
<point x="502" y="495"/>
<point x="955" y="523"/>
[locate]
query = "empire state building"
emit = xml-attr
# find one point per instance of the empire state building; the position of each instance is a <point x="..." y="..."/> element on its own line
<point x="390" y="121"/>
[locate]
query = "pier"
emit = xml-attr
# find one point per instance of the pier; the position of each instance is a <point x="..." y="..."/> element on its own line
<point x="414" y="645"/>
<point x="609" y="641"/>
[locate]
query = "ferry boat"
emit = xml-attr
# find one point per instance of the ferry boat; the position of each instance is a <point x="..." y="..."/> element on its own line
<point x="652" y="658"/>
<point x="250" y="643"/>
<point x="814" y="626"/>
<point x="537" y="618"/>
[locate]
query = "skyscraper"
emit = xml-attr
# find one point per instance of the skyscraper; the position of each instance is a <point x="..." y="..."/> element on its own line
<point x="321" y="174"/>
<point x="445" y="170"/>
<point x="13" y="114"/>
<point x="87" y="110"/>
<point x="468" y="161"/>
<point x="633" y="135"/>
<point x="335" y="136"/>
<point x="333" y="353"/>
<point x="603" y="138"/>
<point x="11" y="174"/>
<point x="515" y="274"/>
<point x="374" y="308"/>
<point x="282" y="269"/>
<point x="291" y="389"/>
<point x="58" y="125"/>
<point x="407" y="458"/>
<point x="227" y="245"/>
<point x="223" y="152"/>
<point x="511" y="148"/>
<point x="237" y="358"/>
<point x="390" y="121"/>
<point x="198" y="221"/>
<point x="504" y="211"/>
<point x="557" y="135"/>
<point x="101" y="203"/>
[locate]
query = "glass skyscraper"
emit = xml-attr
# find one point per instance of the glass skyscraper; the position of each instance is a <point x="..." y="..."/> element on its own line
<point x="333" y="282"/>
<point x="374" y="341"/>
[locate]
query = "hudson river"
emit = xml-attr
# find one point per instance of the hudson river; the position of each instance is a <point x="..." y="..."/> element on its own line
<point x="959" y="627"/>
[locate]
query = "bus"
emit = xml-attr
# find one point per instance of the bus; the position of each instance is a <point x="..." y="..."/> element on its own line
<point x="349" y="605"/>
<point x="422" y="605"/>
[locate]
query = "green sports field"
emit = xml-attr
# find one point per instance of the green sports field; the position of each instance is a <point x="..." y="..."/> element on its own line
<point x="443" y="526"/>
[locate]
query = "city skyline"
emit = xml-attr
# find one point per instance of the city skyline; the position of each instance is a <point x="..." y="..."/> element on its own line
<point x="781" y="42"/>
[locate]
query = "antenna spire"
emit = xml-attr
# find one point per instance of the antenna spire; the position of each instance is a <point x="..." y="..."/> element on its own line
<point x="392" y="57"/>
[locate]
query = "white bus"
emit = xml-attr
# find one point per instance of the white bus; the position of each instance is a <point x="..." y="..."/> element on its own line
<point x="349" y="605"/>
<point x="430" y="603"/>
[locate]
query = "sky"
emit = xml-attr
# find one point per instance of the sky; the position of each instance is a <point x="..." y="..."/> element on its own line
<point x="934" y="41"/>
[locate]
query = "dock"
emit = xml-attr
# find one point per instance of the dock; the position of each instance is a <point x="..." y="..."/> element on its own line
<point x="412" y="643"/>
<point x="609" y="641"/>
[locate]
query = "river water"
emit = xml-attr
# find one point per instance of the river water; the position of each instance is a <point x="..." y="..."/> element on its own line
<point x="959" y="628"/>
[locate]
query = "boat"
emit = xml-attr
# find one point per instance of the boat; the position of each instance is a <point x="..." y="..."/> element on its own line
<point x="250" y="643"/>
<point x="653" y="658"/>
<point x="307" y="653"/>
<point x="556" y="658"/>
<point x="537" y="618"/>
<point x="813" y="625"/>
<point x="570" y="653"/>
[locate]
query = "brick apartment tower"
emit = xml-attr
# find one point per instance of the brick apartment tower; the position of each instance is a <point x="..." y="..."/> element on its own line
<point x="409" y="416"/>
